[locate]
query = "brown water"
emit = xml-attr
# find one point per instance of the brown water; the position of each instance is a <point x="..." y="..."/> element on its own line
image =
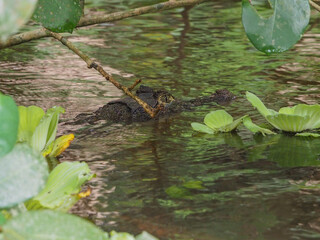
<point x="160" y="176"/>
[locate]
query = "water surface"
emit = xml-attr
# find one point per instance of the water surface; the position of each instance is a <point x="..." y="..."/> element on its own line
<point x="160" y="176"/>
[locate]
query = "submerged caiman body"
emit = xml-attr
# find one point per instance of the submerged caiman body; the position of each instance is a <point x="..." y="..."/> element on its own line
<point x="128" y="110"/>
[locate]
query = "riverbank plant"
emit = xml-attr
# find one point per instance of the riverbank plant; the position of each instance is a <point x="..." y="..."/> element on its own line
<point x="33" y="199"/>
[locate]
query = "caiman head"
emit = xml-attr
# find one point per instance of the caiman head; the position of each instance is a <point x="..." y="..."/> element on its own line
<point x="164" y="98"/>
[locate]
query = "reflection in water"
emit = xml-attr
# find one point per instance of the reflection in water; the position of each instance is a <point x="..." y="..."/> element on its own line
<point x="229" y="186"/>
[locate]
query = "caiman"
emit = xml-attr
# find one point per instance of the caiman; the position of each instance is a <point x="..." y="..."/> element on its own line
<point x="128" y="110"/>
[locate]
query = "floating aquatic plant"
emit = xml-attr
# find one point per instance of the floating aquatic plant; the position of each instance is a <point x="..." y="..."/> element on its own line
<point x="217" y="121"/>
<point x="39" y="130"/>
<point x="289" y="119"/>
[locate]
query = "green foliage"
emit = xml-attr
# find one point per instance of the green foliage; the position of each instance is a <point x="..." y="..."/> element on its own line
<point x="280" y="31"/>
<point x="217" y="121"/>
<point x="306" y="134"/>
<point x="29" y="119"/>
<point x="177" y="192"/>
<point x="295" y="119"/>
<point x="62" y="187"/>
<point x="2" y="219"/>
<point x="38" y="128"/>
<point x="9" y="121"/>
<point x="23" y="174"/>
<point x="58" y="15"/>
<point x="46" y="224"/>
<point x="255" y="128"/>
<point x="13" y="14"/>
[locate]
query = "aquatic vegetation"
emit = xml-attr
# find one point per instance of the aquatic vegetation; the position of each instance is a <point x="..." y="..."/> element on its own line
<point x="62" y="189"/>
<point x="289" y="119"/>
<point x="9" y="117"/>
<point x="38" y="128"/>
<point x="25" y="180"/>
<point x="217" y="121"/>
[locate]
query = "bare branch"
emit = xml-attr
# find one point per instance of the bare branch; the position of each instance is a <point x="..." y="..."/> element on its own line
<point x="313" y="4"/>
<point x="91" y="20"/>
<point x="134" y="84"/>
<point x="91" y="64"/>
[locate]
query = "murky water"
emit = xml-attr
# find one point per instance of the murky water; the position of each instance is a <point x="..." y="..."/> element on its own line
<point x="160" y="176"/>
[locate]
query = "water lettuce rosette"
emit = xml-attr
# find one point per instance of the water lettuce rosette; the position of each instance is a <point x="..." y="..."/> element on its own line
<point x="217" y="121"/>
<point x="289" y="119"/>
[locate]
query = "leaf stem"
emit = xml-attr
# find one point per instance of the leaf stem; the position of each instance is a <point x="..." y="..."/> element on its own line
<point x="92" y="64"/>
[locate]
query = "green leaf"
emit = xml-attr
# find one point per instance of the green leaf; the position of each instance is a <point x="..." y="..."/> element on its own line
<point x="46" y="224"/>
<point x="29" y="120"/>
<point x="312" y="111"/>
<point x="177" y="192"/>
<point x="201" y="128"/>
<point x="23" y="174"/>
<point x="9" y="121"/>
<point x="306" y="134"/>
<point x="255" y="128"/>
<point x="288" y="123"/>
<point x="45" y="132"/>
<point x="121" y="236"/>
<point x="258" y="104"/>
<point x="62" y="187"/>
<point x="2" y="219"/>
<point x="230" y="127"/>
<point x="145" y="236"/>
<point x="58" y="15"/>
<point x="217" y="119"/>
<point x="280" y="31"/>
<point x="193" y="185"/>
<point x="14" y="14"/>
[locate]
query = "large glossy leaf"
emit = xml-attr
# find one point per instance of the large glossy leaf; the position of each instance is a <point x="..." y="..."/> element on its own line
<point x="62" y="187"/>
<point x="217" y="119"/>
<point x="45" y="132"/>
<point x="23" y="174"/>
<point x="255" y="128"/>
<point x="46" y="224"/>
<point x="29" y="119"/>
<point x="58" y="15"/>
<point x="280" y="31"/>
<point x="9" y="121"/>
<point x="13" y="14"/>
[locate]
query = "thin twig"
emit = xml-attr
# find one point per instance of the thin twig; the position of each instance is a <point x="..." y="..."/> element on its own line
<point x="91" y="64"/>
<point x="134" y="84"/>
<point x="313" y="4"/>
<point x="91" y="20"/>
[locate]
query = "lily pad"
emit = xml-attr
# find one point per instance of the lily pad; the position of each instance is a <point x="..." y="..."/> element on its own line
<point x="280" y="31"/>
<point x="23" y="174"/>
<point x="58" y="15"/>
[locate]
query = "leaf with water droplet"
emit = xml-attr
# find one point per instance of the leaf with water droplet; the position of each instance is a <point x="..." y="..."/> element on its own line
<point x="281" y="30"/>
<point x="58" y="15"/>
